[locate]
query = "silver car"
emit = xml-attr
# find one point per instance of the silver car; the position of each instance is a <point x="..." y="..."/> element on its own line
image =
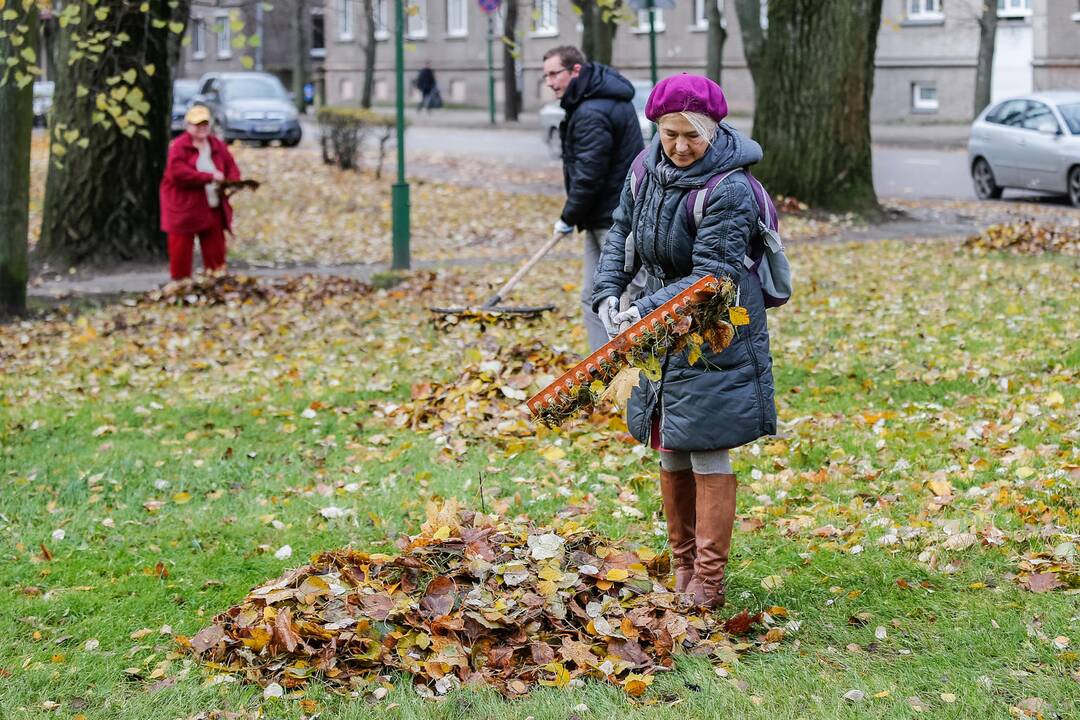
<point x="250" y="106"/>
<point x="1030" y="142"/>
<point x="552" y="114"/>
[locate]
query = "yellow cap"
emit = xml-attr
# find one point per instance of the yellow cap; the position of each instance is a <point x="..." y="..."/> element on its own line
<point x="197" y="114"/>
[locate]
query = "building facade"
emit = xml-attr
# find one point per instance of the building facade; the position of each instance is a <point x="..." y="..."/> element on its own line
<point x="926" y="57"/>
<point x="219" y="38"/>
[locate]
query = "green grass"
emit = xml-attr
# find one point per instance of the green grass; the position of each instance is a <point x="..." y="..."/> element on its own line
<point x="934" y="342"/>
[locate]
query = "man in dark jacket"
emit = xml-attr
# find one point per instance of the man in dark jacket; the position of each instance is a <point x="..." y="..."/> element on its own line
<point x="600" y="138"/>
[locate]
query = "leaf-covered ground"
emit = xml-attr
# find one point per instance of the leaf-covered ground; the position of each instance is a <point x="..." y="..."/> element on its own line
<point x="916" y="520"/>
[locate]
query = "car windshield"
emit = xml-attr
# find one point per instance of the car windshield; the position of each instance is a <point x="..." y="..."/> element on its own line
<point x="1071" y="113"/>
<point x="253" y="88"/>
<point x="183" y="91"/>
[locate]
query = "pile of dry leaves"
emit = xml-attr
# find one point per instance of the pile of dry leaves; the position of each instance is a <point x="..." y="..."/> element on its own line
<point x="1027" y="237"/>
<point x="472" y="600"/>
<point x="223" y="288"/>
<point x="486" y="399"/>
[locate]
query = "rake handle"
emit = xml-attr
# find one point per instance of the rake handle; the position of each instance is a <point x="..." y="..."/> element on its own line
<point x="516" y="278"/>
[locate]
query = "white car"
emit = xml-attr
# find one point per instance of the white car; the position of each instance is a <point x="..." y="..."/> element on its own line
<point x="1030" y="142"/>
<point x="551" y="116"/>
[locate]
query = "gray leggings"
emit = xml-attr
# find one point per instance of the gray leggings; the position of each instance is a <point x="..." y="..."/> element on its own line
<point x="703" y="462"/>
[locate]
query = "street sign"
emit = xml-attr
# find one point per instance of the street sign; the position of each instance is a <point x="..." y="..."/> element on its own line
<point x="644" y="4"/>
<point x="490" y="6"/>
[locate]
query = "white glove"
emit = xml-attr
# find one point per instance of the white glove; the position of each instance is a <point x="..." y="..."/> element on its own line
<point x="609" y="308"/>
<point x="562" y="228"/>
<point x="627" y="318"/>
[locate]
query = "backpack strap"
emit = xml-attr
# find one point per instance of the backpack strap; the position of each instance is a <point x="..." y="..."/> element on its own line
<point x="637" y="175"/>
<point x="696" y="198"/>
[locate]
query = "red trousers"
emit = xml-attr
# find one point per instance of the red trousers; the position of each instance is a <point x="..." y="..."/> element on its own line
<point x="182" y="247"/>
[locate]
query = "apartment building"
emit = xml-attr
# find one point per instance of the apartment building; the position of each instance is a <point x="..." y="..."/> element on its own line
<point x="219" y="33"/>
<point x="926" y="59"/>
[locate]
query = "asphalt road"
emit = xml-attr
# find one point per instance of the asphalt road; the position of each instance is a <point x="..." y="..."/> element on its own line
<point x="898" y="172"/>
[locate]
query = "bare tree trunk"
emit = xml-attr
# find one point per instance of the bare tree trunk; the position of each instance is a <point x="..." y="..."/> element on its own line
<point x="101" y="197"/>
<point x="814" y="79"/>
<point x="753" y="37"/>
<point x="300" y="63"/>
<point x="599" y="21"/>
<point x="717" y="36"/>
<point x="17" y="114"/>
<point x="511" y="53"/>
<point x="984" y="73"/>
<point x="369" y="53"/>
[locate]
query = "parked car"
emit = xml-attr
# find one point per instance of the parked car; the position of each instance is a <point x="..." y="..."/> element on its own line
<point x="1030" y="142"/>
<point x="182" y="93"/>
<point x="551" y="116"/>
<point x="43" y="98"/>
<point x="250" y="106"/>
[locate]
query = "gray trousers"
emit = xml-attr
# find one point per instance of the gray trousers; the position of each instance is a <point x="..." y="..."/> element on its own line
<point x="594" y="245"/>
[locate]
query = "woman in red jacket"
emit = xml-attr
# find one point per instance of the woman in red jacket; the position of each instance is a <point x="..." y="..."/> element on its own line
<point x="192" y="203"/>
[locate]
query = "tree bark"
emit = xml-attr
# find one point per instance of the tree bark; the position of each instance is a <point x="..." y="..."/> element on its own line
<point x="369" y="53"/>
<point x="984" y="73"/>
<point x="16" y="122"/>
<point x="753" y="36"/>
<point x="599" y="21"/>
<point x="300" y="62"/>
<point x="714" y="43"/>
<point x="101" y="200"/>
<point x="812" y="94"/>
<point x="511" y="53"/>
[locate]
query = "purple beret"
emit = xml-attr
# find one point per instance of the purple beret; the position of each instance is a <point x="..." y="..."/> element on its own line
<point x="686" y="93"/>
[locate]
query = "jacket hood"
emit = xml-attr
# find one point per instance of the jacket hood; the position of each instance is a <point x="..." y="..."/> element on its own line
<point x="730" y="149"/>
<point x="596" y="81"/>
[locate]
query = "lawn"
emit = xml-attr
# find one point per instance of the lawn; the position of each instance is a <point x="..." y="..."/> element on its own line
<point x="917" y="518"/>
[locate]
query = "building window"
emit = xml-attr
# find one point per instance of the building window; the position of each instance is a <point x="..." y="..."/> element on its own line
<point x="1014" y="8"/>
<point x="382" y="19"/>
<point x="924" y="97"/>
<point x="223" y="30"/>
<point x="457" y="18"/>
<point x="198" y="38"/>
<point x="545" y="14"/>
<point x="345" y="18"/>
<point x="925" y="10"/>
<point x="457" y="91"/>
<point x="416" y="19"/>
<point x="347" y="90"/>
<point x="643" y="21"/>
<point x="701" y="14"/>
<point x="318" y="33"/>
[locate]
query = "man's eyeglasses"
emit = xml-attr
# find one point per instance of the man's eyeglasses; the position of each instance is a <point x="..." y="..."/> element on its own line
<point x="554" y="73"/>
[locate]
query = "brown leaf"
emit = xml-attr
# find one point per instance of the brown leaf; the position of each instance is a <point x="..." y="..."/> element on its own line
<point x="207" y="638"/>
<point x="741" y="623"/>
<point x="542" y="653"/>
<point x="439" y="598"/>
<point x="284" y="632"/>
<point x="1043" y="582"/>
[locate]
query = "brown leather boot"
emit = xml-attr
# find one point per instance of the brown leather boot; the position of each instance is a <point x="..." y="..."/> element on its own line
<point x="677" y="489"/>
<point x="715" y="504"/>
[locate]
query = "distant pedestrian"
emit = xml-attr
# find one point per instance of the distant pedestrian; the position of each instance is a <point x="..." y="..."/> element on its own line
<point x="600" y="136"/>
<point x="192" y="204"/>
<point x="429" y="89"/>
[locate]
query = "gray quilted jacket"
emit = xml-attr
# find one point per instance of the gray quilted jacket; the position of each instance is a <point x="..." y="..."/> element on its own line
<point x="725" y="399"/>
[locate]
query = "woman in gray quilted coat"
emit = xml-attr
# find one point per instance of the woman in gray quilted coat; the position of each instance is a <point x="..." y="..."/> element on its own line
<point x="695" y="413"/>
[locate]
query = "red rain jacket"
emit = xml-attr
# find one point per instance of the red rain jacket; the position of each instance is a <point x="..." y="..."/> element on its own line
<point x="184" y="207"/>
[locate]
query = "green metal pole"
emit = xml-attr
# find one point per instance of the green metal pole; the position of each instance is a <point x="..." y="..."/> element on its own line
<point x="400" y="193"/>
<point x="652" y="40"/>
<point x="491" y="68"/>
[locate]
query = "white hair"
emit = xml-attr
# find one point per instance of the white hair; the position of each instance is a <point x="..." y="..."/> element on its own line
<point x="705" y="125"/>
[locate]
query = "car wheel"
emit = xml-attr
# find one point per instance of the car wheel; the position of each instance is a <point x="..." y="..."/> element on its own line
<point x="1074" y="186"/>
<point x="290" y="142"/>
<point x="986" y="188"/>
